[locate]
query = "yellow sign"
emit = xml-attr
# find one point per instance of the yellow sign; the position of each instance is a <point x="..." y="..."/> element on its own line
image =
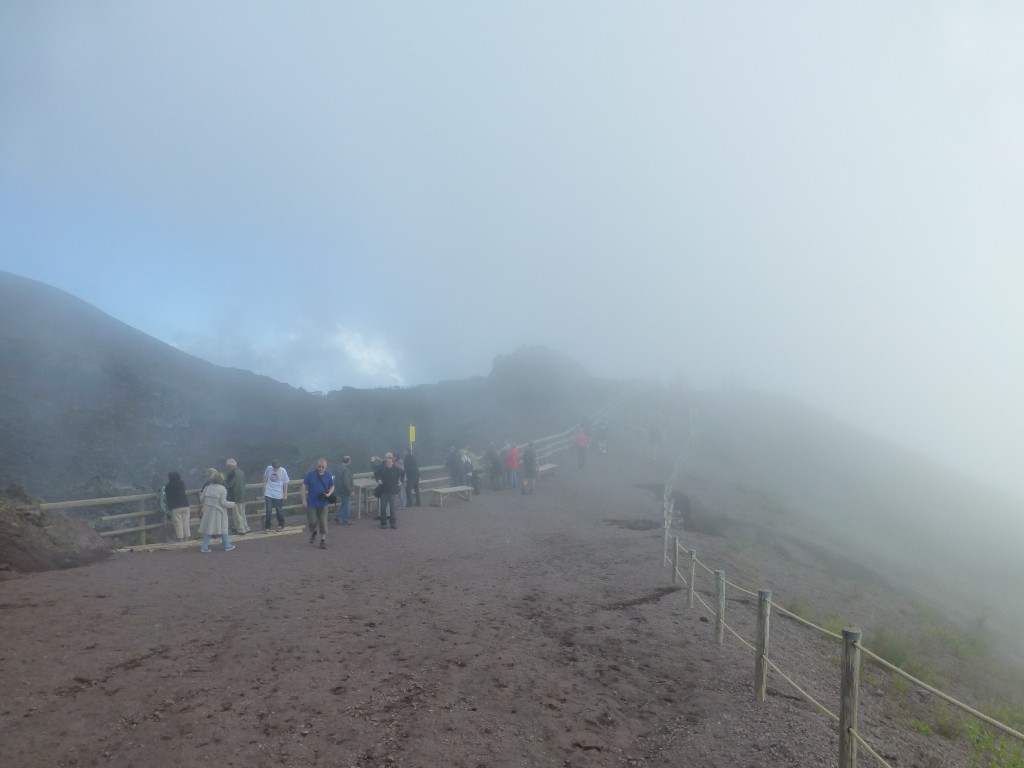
<point x="412" y="434"/>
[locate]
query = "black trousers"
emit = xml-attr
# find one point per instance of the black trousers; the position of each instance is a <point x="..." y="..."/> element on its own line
<point x="412" y="493"/>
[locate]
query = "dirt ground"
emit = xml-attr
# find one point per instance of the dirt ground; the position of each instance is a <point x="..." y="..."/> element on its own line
<point x="510" y="630"/>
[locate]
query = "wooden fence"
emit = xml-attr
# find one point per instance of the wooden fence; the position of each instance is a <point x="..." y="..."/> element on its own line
<point x="137" y="519"/>
<point x="850" y="736"/>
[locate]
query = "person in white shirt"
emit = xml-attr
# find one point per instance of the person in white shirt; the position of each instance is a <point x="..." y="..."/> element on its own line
<point x="275" y="491"/>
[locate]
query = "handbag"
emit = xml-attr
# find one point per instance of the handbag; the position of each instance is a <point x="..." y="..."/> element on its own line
<point x="378" y="491"/>
<point x="333" y="498"/>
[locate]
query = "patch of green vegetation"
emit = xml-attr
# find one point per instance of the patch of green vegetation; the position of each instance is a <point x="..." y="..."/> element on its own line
<point x="989" y="749"/>
<point x="800" y="608"/>
<point x="921" y="727"/>
<point x="949" y="722"/>
<point x="836" y="625"/>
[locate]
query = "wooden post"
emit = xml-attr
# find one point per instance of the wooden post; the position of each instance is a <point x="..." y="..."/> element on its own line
<point x="720" y="618"/>
<point x="142" y="510"/>
<point x="849" y="696"/>
<point x="764" y="608"/>
<point x="675" y="560"/>
<point x="693" y="573"/>
<point x="667" y="507"/>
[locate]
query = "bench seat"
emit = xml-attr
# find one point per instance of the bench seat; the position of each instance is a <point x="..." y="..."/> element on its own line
<point x="440" y="494"/>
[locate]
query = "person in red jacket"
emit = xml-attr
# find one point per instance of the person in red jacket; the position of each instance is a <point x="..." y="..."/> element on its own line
<point x="581" y="441"/>
<point x="511" y="465"/>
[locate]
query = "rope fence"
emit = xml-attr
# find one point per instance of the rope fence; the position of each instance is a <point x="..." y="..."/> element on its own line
<point x="852" y="647"/>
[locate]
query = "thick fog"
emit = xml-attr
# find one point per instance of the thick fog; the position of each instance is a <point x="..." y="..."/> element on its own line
<point x="821" y="201"/>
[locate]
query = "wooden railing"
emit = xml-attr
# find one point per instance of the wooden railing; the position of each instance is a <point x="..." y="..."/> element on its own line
<point x="133" y="519"/>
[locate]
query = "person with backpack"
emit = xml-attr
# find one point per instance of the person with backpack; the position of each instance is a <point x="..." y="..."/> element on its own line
<point x="174" y="503"/>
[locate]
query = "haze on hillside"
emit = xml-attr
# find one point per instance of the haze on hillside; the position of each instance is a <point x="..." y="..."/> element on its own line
<point x="822" y="202"/>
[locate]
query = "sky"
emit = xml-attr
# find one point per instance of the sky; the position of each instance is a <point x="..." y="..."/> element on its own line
<point x="818" y="200"/>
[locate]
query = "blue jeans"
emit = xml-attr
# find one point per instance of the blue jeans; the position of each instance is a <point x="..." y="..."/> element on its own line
<point x="510" y="477"/>
<point x="223" y="538"/>
<point x="273" y="505"/>
<point x="343" y="509"/>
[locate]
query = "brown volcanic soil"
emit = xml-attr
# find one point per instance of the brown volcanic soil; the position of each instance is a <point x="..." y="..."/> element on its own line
<point x="510" y="631"/>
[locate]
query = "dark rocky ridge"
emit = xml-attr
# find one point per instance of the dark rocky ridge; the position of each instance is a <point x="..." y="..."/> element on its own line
<point x="92" y="407"/>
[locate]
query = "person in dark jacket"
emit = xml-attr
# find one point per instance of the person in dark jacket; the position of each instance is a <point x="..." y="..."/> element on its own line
<point x="234" y="481"/>
<point x="389" y="479"/>
<point x="412" y="479"/>
<point x="177" y="502"/>
<point x="346" y="490"/>
<point x="454" y="466"/>
<point x="495" y="466"/>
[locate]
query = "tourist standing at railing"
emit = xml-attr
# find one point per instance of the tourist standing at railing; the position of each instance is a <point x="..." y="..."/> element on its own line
<point x="346" y="487"/>
<point x="412" y="478"/>
<point x="495" y="467"/>
<point x="582" y="442"/>
<point x="512" y="465"/>
<point x="531" y="468"/>
<point x="177" y="502"/>
<point x="235" y="484"/>
<point x="317" y="489"/>
<point x="275" y="492"/>
<point x="473" y="475"/>
<point x="401" y="483"/>
<point x="454" y="465"/>
<point x="389" y="478"/>
<point x="214" y="503"/>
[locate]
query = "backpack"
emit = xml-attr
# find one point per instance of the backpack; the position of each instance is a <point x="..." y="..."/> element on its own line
<point x="161" y="500"/>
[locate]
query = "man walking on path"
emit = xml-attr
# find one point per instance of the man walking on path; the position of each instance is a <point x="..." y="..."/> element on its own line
<point x="234" y="481"/>
<point x="317" y="487"/>
<point x="275" y="492"/>
<point x="345" y="490"/>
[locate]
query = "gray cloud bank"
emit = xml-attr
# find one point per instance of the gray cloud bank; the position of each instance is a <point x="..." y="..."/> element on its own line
<point x="821" y="201"/>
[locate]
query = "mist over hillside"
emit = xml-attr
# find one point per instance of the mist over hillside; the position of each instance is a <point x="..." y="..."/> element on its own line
<point x="91" y="407"/>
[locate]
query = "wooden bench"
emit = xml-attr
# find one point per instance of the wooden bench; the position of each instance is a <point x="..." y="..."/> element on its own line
<point x="459" y="490"/>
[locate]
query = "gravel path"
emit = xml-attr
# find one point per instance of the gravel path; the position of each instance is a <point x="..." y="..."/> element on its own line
<point x="507" y="631"/>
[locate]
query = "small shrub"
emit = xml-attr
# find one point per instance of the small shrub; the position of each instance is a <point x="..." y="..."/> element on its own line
<point x="949" y="724"/>
<point x="921" y="727"/>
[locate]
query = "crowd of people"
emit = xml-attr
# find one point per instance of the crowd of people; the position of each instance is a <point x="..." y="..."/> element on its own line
<point x="222" y="498"/>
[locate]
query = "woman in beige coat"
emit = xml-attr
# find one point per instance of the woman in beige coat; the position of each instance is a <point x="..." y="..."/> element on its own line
<point x="214" y="502"/>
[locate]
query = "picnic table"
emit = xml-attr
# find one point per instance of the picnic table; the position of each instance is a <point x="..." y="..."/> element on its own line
<point x="364" y="487"/>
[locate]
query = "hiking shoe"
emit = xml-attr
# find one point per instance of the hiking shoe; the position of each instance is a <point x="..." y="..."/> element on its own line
<point x="323" y="544"/>
<point x="229" y="547"/>
<point x="312" y="537"/>
<point x="204" y="551"/>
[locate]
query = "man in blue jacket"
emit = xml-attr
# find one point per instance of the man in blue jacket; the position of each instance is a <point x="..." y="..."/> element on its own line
<point x="317" y="487"/>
